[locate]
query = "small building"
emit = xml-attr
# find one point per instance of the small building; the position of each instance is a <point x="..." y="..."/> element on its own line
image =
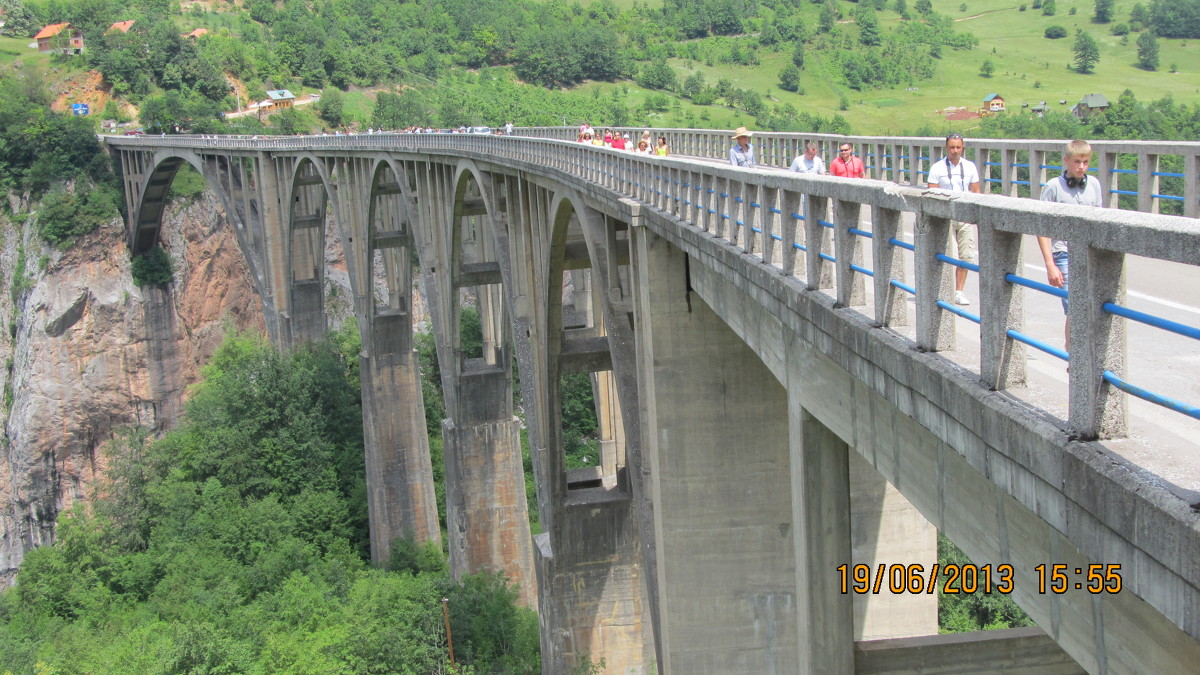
<point x="1040" y="109"/>
<point x="196" y="33"/>
<point x="61" y="38"/>
<point x="993" y="103"/>
<point x="1092" y="103"/>
<point x="278" y="99"/>
<point x="120" y="27"/>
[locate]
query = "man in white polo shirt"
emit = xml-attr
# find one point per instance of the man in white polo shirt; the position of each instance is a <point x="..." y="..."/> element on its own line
<point x="952" y="172"/>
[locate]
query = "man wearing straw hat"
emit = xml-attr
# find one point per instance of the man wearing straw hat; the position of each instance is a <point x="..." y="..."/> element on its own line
<point x="742" y="153"/>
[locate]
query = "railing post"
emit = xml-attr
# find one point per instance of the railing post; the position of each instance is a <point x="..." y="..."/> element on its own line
<point x="851" y="288"/>
<point x="769" y="199"/>
<point x="891" y="304"/>
<point x="1097" y="342"/>
<point x="1191" y="184"/>
<point x="1147" y="182"/>
<point x="1107" y="161"/>
<point x="789" y="206"/>
<point x="1001" y="308"/>
<point x="818" y="240"/>
<point x="935" y="280"/>
<point x="1008" y="157"/>
<point x="1037" y="173"/>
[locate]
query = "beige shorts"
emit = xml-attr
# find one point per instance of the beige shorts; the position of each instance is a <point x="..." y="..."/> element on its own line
<point x="964" y="236"/>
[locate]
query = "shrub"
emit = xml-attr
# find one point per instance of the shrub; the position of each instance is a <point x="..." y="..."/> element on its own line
<point x="65" y="215"/>
<point x="1056" y="32"/>
<point x="1120" y="29"/>
<point x="153" y="268"/>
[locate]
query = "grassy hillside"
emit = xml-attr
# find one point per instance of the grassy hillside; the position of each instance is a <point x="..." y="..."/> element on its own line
<point x="1029" y="68"/>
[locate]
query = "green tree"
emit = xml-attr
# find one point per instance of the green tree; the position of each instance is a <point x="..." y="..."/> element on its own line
<point x="826" y="18"/>
<point x="798" y="55"/>
<point x="868" y="25"/>
<point x="1175" y="18"/>
<point x="1104" y="11"/>
<point x="986" y="69"/>
<point x="1055" y="32"/>
<point x="153" y="268"/>
<point x="789" y="78"/>
<point x="924" y="6"/>
<point x="1147" y="51"/>
<point x="332" y="107"/>
<point x="1139" y="15"/>
<point x="657" y="75"/>
<point x="1049" y="8"/>
<point x="1087" y="52"/>
<point x="693" y="85"/>
<point x="960" y="612"/>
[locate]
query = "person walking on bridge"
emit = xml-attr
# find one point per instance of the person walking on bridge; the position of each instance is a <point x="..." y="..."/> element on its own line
<point x="742" y="152"/>
<point x="846" y="164"/>
<point x="1074" y="186"/>
<point x="955" y="173"/>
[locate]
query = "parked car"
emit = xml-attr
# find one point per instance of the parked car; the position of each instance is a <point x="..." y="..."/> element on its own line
<point x="135" y="132"/>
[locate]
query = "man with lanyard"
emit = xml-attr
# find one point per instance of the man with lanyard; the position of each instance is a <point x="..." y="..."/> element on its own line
<point x="952" y="172"/>
<point x="847" y="165"/>
<point x="809" y="162"/>
<point x="742" y="153"/>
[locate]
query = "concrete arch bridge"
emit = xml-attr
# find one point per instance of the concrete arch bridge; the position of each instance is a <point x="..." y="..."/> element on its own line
<point x="782" y="431"/>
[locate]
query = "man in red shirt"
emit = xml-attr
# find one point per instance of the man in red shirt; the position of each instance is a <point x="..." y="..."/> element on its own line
<point x="847" y="165"/>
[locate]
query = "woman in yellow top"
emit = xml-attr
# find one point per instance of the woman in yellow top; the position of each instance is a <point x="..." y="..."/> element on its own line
<point x="662" y="149"/>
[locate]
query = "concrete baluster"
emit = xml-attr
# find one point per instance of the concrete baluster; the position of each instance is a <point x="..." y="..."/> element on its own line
<point x="818" y="239"/>
<point x="851" y="287"/>
<point x="1098" y="343"/>
<point x="1001" y="308"/>
<point x="891" y="303"/>
<point x="935" y="281"/>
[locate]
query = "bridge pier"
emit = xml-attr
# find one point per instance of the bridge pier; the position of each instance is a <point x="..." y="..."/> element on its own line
<point x="487" y="517"/>
<point x="717" y="451"/>
<point x="400" y="497"/>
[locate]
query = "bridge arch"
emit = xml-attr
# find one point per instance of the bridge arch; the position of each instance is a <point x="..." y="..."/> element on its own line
<point x="148" y="211"/>
<point x="308" y="200"/>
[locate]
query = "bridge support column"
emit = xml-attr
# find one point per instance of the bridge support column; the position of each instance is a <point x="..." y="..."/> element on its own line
<point x="306" y="321"/>
<point x="821" y="515"/>
<point x="487" y="516"/>
<point x="400" y="495"/>
<point x="716" y="441"/>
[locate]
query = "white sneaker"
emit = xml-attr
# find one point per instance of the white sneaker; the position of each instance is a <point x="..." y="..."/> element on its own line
<point x="960" y="298"/>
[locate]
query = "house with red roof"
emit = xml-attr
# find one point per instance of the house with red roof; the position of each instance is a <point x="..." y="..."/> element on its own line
<point x="122" y="26"/>
<point x="60" y="37"/>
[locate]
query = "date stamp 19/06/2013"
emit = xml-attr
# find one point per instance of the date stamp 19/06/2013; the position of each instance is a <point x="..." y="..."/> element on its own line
<point x="914" y="579"/>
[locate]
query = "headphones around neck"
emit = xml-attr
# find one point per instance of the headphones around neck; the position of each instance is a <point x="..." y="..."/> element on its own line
<point x="1073" y="182"/>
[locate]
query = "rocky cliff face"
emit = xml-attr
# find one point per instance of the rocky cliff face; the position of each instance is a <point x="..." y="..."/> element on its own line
<point x="89" y="353"/>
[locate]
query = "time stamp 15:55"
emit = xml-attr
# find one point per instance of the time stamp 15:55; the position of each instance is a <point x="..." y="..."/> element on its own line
<point x="1051" y="578"/>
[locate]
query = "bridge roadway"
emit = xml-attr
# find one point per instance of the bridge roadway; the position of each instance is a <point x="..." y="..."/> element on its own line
<point x="762" y="422"/>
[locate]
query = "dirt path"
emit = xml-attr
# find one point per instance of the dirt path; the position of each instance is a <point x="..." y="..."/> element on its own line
<point x="985" y="13"/>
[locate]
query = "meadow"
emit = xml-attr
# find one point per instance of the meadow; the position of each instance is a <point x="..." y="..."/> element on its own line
<point x="1028" y="69"/>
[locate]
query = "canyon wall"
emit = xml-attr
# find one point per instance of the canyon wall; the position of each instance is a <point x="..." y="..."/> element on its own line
<point x="88" y="353"/>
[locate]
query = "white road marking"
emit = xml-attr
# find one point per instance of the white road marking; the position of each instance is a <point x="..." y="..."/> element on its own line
<point x="1140" y="296"/>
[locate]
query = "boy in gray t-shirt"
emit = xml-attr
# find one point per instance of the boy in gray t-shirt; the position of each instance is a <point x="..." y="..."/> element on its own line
<point x="1073" y="187"/>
